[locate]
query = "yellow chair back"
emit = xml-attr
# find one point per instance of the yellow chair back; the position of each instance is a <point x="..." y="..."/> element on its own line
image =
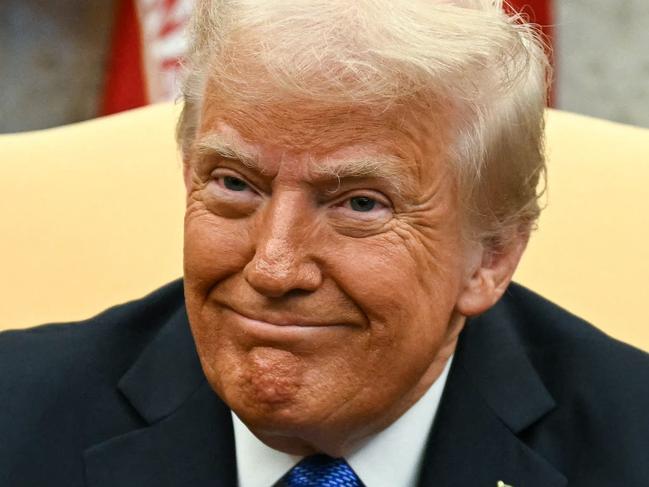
<point x="91" y="215"/>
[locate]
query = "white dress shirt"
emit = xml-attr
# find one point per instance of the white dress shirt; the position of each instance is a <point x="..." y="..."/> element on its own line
<point x="389" y="458"/>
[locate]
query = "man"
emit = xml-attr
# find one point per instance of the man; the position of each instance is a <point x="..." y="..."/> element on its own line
<point x="361" y="183"/>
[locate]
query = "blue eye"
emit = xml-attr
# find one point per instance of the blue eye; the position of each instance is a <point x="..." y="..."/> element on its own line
<point x="234" y="184"/>
<point x="362" y="203"/>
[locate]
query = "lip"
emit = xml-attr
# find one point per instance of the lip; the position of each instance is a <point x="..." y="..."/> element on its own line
<point x="285" y="328"/>
<point x="282" y="319"/>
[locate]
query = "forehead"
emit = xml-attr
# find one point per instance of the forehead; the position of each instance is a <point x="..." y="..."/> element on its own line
<point x="325" y="131"/>
<point x="301" y="127"/>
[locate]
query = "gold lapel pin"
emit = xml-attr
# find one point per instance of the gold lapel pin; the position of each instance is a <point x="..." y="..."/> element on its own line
<point x="502" y="484"/>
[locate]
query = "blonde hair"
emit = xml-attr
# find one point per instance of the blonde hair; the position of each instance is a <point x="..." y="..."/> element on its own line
<point x="475" y="69"/>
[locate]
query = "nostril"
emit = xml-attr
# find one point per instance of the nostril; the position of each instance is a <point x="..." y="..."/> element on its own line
<point x="296" y="293"/>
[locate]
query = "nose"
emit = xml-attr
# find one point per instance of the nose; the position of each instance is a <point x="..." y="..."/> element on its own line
<point x="282" y="261"/>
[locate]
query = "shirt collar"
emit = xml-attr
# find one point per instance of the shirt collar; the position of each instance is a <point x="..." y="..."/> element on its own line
<point x="388" y="458"/>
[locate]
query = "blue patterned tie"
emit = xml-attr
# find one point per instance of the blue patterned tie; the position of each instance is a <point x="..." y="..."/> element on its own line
<point x="320" y="471"/>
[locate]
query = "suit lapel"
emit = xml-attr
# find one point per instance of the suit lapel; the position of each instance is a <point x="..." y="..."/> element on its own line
<point x="492" y="394"/>
<point x="189" y="438"/>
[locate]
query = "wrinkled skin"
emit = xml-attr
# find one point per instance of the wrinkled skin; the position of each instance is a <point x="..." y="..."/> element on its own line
<point x="323" y="308"/>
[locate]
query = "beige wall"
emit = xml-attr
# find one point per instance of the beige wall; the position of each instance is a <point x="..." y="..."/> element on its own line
<point x="52" y="60"/>
<point x="603" y="58"/>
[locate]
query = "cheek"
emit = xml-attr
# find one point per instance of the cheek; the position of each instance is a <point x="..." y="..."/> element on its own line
<point x="214" y="247"/>
<point x="395" y="279"/>
<point x="408" y="294"/>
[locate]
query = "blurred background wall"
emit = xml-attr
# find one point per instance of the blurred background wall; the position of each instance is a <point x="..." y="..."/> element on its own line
<point x="53" y="56"/>
<point x="602" y="51"/>
<point x="63" y="61"/>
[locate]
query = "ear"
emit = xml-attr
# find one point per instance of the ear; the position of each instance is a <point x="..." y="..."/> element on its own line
<point x="489" y="272"/>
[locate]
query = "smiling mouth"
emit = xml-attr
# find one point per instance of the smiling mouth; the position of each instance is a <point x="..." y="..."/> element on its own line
<point x="284" y="320"/>
<point x="281" y="319"/>
<point x="283" y="327"/>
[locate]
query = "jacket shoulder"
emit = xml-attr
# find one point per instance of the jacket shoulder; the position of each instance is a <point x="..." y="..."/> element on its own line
<point x="601" y="387"/>
<point x="55" y="378"/>
<point x="540" y="323"/>
<point x="113" y="335"/>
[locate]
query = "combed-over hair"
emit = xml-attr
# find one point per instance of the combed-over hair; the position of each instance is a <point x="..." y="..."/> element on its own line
<point x="476" y="70"/>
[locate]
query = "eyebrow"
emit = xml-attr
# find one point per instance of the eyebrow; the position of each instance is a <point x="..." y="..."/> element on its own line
<point x="384" y="167"/>
<point x="227" y="148"/>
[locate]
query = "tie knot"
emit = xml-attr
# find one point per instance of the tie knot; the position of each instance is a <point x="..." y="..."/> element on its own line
<point x="321" y="471"/>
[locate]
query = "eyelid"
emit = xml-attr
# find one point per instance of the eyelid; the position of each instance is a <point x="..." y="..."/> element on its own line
<point x="365" y="193"/>
<point x="222" y="172"/>
<point x="226" y="171"/>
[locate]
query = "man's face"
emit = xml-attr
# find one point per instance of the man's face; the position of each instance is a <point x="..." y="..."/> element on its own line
<point x="323" y="264"/>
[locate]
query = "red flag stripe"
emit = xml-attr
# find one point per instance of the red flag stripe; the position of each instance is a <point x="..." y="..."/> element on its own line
<point x="125" y="87"/>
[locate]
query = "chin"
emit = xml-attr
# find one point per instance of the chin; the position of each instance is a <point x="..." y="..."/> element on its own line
<point x="287" y="424"/>
<point x="294" y="430"/>
<point x="266" y="387"/>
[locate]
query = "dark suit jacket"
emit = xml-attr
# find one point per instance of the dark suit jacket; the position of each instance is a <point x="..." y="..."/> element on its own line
<point x="535" y="397"/>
